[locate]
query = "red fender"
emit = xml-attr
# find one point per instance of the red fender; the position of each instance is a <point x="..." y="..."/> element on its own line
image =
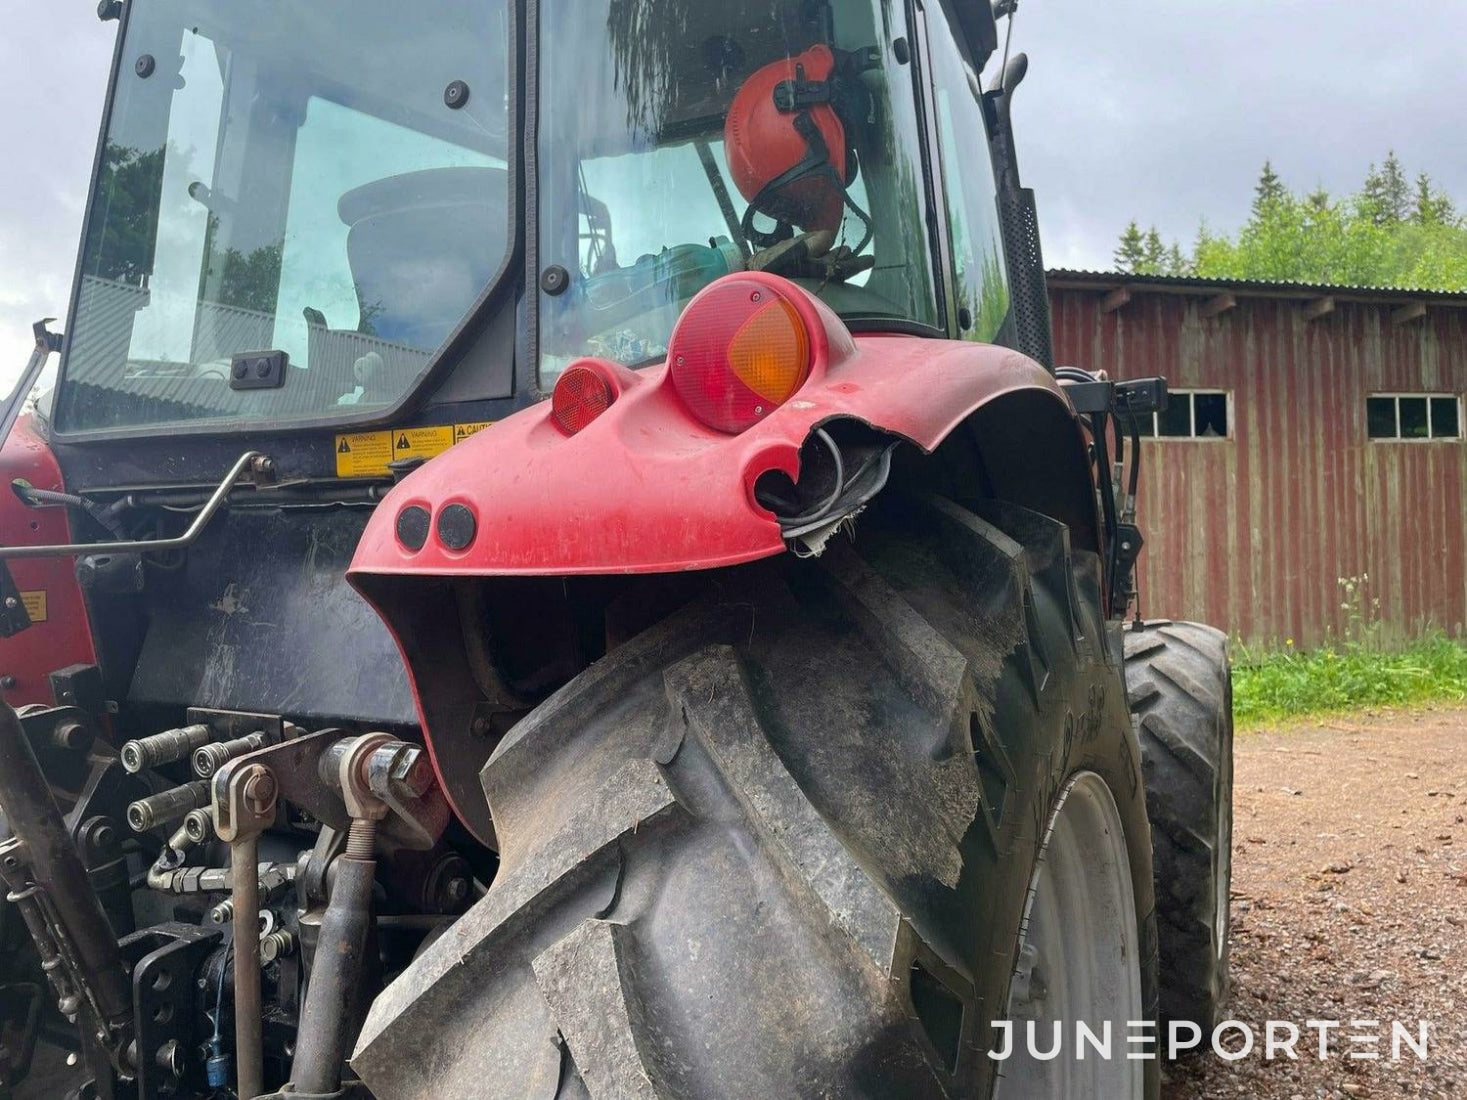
<point x="646" y="488"/>
<point x="60" y="633"/>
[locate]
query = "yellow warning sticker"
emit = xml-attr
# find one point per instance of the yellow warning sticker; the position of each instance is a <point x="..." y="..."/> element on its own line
<point x="421" y="442"/>
<point x="366" y="454"/>
<point x="463" y="431"/>
<point x="35" y="605"/>
<point x="363" y="454"/>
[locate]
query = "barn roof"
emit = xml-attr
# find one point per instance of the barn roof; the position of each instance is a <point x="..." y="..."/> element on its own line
<point x="1117" y="281"/>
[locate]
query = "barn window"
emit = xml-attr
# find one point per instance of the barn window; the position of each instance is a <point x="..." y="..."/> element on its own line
<point x="1413" y="416"/>
<point x="1190" y="414"/>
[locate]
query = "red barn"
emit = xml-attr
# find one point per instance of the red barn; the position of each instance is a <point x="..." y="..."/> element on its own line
<point x="1315" y="434"/>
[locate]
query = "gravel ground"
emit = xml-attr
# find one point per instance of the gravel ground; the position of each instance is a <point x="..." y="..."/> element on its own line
<point x="1349" y="903"/>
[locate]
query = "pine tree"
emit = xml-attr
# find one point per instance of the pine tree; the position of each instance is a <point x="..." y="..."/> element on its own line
<point x="1155" y="253"/>
<point x="1269" y="191"/>
<point x="1130" y="253"/>
<point x="1431" y="207"/>
<point x="1176" y="263"/>
<point x="1397" y="191"/>
<point x="1372" y="200"/>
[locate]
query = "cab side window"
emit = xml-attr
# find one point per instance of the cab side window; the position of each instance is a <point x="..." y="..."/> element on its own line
<point x="980" y="278"/>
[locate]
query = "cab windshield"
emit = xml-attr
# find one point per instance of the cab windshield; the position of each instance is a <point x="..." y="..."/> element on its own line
<point x="323" y="179"/>
<point x="678" y="142"/>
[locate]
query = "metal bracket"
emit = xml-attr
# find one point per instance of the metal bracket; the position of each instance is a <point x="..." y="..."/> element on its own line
<point x="230" y="724"/>
<point x="295" y="766"/>
<point x="166" y="960"/>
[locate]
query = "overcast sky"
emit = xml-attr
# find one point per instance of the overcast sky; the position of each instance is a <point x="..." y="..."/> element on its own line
<point x="1162" y="110"/>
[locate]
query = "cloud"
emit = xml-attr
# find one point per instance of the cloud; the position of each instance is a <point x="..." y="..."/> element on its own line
<point x="54" y="61"/>
<point x="1165" y="112"/>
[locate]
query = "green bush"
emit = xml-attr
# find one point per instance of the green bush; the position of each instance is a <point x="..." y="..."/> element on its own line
<point x="1345" y="674"/>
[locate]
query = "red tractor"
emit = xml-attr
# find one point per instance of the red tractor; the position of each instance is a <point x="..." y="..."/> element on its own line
<point x="556" y="563"/>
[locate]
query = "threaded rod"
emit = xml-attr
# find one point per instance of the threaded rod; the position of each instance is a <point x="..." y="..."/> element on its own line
<point x="361" y="839"/>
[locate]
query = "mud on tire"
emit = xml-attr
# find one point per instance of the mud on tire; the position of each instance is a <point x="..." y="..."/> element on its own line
<point x="779" y="844"/>
<point x="1180" y="691"/>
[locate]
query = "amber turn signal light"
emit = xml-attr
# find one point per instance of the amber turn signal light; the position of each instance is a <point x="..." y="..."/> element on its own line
<point x="739" y="351"/>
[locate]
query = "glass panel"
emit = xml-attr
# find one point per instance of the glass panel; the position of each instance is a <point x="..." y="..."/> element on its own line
<point x="1444" y="418"/>
<point x="643" y="205"/>
<point x="1211" y="415"/>
<point x="972" y="194"/>
<point x="1380" y="417"/>
<point x="1176" y="419"/>
<point x="265" y="189"/>
<point x="1146" y="425"/>
<point x="1413" y="418"/>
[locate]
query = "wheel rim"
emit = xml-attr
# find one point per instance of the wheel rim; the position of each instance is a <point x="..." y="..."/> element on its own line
<point x="1079" y="957"/>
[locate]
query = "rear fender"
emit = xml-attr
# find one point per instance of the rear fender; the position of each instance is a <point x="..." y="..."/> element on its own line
<point x="646" y="488"/>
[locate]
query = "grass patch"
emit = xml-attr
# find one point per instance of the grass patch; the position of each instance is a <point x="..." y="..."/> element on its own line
<point x="1269" y="686"/>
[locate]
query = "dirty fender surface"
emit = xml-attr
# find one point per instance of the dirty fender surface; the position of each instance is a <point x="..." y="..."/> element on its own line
<point x="647" y="488"/>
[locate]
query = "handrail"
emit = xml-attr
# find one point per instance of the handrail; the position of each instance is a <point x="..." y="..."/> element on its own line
<point x="179" y="542"/>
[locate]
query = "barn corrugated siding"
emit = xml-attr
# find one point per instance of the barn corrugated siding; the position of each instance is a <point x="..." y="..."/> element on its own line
<point x="1252" y="533"/>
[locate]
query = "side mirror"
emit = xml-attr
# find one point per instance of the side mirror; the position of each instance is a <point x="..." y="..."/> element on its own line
<point x="978" y="20"/>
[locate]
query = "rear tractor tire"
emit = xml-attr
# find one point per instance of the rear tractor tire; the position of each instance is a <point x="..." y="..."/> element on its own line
<point x="789" y="842"/>
<point x="1180" y="687"/>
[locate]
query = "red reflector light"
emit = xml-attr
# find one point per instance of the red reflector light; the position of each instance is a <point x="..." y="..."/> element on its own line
<point x="739" y="351"/>
<point x="579" y="397"/>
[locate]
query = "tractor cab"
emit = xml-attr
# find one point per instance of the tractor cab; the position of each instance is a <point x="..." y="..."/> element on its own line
<point x="312" y="216"/>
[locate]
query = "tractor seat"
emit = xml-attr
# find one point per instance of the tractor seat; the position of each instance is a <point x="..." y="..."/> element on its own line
<point x="422" y="247"/>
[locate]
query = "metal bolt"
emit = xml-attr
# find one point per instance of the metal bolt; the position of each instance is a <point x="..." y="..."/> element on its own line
<point x="11" y="603"/>
<point x="259" y="791"/>
<point x="277" y="945"/>
<point x="72" y="735"/>
<point x="413" y="771"/>
<point x="103" y="836"/>
<point x="455" y="890"/>
<point x="170" y="1058"/>
<point x="263" y="465"/>
<point x="222" y="913"/>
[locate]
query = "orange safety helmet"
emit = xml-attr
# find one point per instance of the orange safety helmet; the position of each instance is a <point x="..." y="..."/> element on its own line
<point x="786" y="145"/>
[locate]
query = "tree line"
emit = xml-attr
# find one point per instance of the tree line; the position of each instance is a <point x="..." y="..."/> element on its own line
<point x="1391" y="232"/>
